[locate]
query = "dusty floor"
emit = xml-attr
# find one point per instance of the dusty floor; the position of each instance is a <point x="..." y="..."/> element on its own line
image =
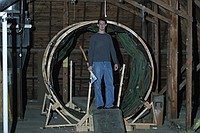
<point x="33" y="122"/>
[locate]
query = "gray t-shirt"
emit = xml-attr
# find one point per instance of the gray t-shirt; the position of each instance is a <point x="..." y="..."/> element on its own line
<point x="101" y="49"/>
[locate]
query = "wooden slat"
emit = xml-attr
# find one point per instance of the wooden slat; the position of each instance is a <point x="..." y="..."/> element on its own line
<point x="140" y="6"/>
<point x="124" y="7"/>
<point x="173" y="66"/>
<point x="197" y="2"/>
<point x="157" y="48"/>
<point x="172" y="9"/>
<point x="189" y="69"/>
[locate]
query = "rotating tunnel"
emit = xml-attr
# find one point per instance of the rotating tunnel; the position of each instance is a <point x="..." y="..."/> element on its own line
<point x="141" y="73"/>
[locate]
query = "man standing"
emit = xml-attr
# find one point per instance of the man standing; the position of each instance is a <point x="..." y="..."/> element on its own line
<point x="101" y="52"/>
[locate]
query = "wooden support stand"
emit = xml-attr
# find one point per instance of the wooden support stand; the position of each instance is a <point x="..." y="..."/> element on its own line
<point x="133" y="123"/>
<point x="120" y="87"/>
<point x="82" y="121"/>
<point x="71" y="114"/>
<point x="46" y="103"/>
<point x="70" y="104"/>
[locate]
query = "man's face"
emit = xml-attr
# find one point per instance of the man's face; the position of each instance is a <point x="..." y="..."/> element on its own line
<point x="102" y="25"/>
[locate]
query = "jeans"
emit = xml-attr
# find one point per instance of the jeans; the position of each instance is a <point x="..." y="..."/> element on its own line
<point x="101" y="69"/>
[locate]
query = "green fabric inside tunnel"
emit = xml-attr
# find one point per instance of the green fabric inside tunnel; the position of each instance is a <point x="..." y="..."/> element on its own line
<point x="139" y="72"/>
<point x="139" y="78"/>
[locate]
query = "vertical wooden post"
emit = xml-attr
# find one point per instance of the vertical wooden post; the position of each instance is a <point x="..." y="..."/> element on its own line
<point x="41" y="90"/>
<point x="65" y="13"/>
<point x="189" y="60"/>
<point x="173" y="65"/>
<point x="144" y="24"/>
<point x="50" y="19"/>
<point x="157" y="55"/>
<point x="65" y="73"/>
<point x="65" y="91"/>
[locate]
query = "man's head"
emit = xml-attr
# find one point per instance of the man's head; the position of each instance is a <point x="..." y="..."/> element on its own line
<point x="102" y="19"/>
<point x="102" y="23"/>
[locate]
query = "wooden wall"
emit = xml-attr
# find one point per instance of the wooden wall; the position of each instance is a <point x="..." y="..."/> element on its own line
<point x="49" y="17"/>
<point x="158" y="29"/>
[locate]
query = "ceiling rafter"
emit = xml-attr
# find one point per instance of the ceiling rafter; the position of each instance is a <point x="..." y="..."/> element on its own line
<point x="140" y="6"/>
<point x="171" y="9"/>
<point x="113" y="2"/>
<point x="197" y="2"/>
<point x="117" y="3"/>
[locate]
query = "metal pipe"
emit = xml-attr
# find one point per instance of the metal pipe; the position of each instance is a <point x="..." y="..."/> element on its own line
<point x="21" y="30"/>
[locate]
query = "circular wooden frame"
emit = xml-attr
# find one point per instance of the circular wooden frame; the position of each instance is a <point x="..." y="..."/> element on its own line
<point x="58" y="38"/>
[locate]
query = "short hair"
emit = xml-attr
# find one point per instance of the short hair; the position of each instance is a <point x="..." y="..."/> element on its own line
<point x="102" y="19"/>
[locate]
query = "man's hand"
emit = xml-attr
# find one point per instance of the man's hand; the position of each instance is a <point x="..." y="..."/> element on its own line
<point x="116" y="67"/>
<point x="90" y="68"/>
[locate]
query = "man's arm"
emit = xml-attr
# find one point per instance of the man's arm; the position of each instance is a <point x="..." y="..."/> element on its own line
<point x="91" y="51"/>
<point x="114" y="56"/>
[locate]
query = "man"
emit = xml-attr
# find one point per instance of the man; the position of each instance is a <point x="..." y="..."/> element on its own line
<point x="101" y="51"/>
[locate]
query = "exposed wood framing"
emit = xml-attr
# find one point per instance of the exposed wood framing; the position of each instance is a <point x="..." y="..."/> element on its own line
<point x="82" y="44"/>
<point x="144" y="24"/>
<point x="197" y="2"/>
<point x="171" y="9"/>
<point x="117" y="17"/>
<point x="65" y="87"/>
<point x="154" y="17"/>
<point x="172" y="92"/>
<point x="129" y="10"/>
<point x="50" y="17"/>
<point x="65" y="14"/>
<point x="101" y="9"/>
<point x="140" y="6"/>
<point x="157" y="55"/>
<point x="65" y="72"/>
<point x="189" y="60"/>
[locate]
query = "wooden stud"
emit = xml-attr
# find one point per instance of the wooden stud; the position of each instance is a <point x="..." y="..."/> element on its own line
<point x="172" y="73"/>
<point x="157" y="54"/>
<point x="189" y="61"/>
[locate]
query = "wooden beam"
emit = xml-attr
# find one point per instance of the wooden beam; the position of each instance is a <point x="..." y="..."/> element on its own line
<point x="182" y="84"/>
<point x="129" y="9"/>
<point x="140" y="6"/>
<point x="172" y="71"/>
<point x="171" y="9"/>
<point x="157" y="49"/>
<point x="50" y="17"/>
<point x="117" y="3"/>
<point x="144" y="25"/>
<point x="65" y="88"/>
<point x="65" y="14"/>
<point x="197" y="2"/>
<point x="65" y="73"/>
<point x="189" y="60"/>
<point x="198" y="67"/>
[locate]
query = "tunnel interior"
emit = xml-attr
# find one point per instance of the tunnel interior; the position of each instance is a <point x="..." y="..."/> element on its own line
<point x="140" y="78"/>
